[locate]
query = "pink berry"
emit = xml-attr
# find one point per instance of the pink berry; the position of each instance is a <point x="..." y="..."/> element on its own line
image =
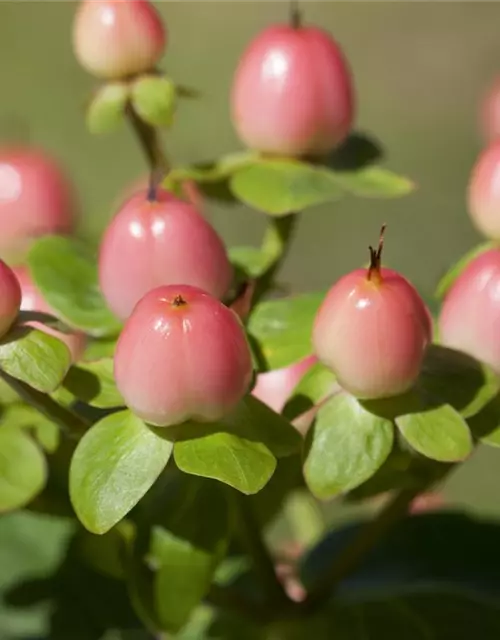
<point x="152" y="243"/>
<point x="484" y="192"/>
<point x="33" y="301"/>
<point x="10" y="298"/>
<point x="470" y="315"/>
<point x="35" y="198"/>
<point x="372" y="331"/>
<point x="275" y="387"/>
<point x="489" y="113"/>
<point x="182" y="355"/>
<point x="292" y="92"/>
<point x="190" y="191"/>
<point x="118" y="38"/>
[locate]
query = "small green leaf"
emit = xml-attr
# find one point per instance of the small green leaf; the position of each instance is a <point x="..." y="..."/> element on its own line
<point x="345" y="447"/>
<point x="373" y="182"/>
<point x="435" y="430"/>
<point x="153" y="99"/>
<point x="282" y="329"/>
<point x="23" y="416"/>
<point x="94" y="383"/>
<point x="316" y="385"/>
<point x="216" y="171"/>
<point x="279" y="187"/>
<point x="244" y="464"/>
<point x="23" y="469"/>
<point x="114" y="464"/>
<point x="485" y="425"/>
<point x="106" y="111"/>
<point x="98" y="349"/>
<point x="452" y="274"/>
<point x="457" y="379"/>
<point x="65" y="272"/>
<point x="34" y="357"/>
<point x="251" y="260"/>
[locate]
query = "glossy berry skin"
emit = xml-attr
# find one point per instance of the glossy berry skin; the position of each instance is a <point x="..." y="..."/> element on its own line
<point x="292" y="93"/>
<point x="32" y="300"/>
<point x="470" y="315"/>
<point x="489" y="113"/>
<point x="118" y="38"/>
<point x="484" y="192"/>
<point x="373" y="333"/>
<point x="182" y="355"/>
<point x="10" y="298"/>
<point x="275" y="387"/>
<point x="35" y="199"/>
<point x="149" y="244"/>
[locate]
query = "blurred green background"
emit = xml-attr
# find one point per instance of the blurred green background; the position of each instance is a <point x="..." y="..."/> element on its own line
<point x="420" y="69"/>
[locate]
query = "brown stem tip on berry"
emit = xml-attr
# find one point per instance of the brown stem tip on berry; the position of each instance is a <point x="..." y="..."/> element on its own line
<point x="178" y="301"/>
<point x="376" y="257"/>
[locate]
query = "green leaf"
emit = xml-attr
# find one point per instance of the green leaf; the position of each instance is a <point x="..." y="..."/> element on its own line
<point x="279" y="187"/>
<point x="114" y="464"/>
<point x="106" y="111"/>
<point x="457" y="379"/>
<point x="34" y="357"/>
<point x="435" y="430"/>
<point x="345" y="447"/>
<point x="282" y="329"/>
<point x="251" y="260"/>
<point x="23" y="469"/>
<point x="65" y="272"/>
<point x="153" y="99"/>
<point x="373" y="182"/>
<point x="94" y="383"/>
<point x="452" y="274"/>
<point x="23" y="416"/>
<point x="316" y="385"/>
<point x="99" y="349"/>
<point x="214" y="171"/>
<point x="188" y="541"/>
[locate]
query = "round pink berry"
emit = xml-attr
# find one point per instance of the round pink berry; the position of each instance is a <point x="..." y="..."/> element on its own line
<point x="489" y="112"/>
<point x="292" y="92"/>
<point x="182" y="355"/>
<point x="10" y="298"/>
<point x="484" y="192"/>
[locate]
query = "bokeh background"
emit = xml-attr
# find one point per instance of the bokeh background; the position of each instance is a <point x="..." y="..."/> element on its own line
<point x="420" y="69"/>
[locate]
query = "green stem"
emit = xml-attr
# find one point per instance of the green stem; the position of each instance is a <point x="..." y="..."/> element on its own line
<point x="69" y="422"/>
<point x="150" y="143"/>
<point x="251" y="539"/>
<point x="275" y="246"/>
<point x="356" y="551"/>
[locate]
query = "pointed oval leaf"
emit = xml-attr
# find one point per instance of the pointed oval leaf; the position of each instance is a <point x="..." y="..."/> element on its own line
<point x="153" y="99"/>
<point x="243" y="464"/>
<point x="251" y="260"/>
<point x="34" y="357"/>
<point x="114" y="464"/>
<point x="107" y="109"/>
<point x="281" y="329"/>
<point x="99" y="349"/>
<point x="345" y="447"/>
<point x="23" y="416"/>
<point x="65" y="272"/>
<point x="373" y="182"/>
<point x="316" y="385"/>
<point x="23" y="468"/>
<point x="279" y="187"/>
<point x="436" y="430"/>
<point x="94" y="383"/>
<point x="452" y="274"/>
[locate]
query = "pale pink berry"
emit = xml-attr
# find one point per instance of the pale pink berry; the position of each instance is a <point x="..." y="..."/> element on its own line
<point x="489" y="112"/>
<point x="118" y="38"/>
<point x="152" y="243"/>
<point x="35" y="198"/>
<point x="275" y="387"/>
<point x="10" y="298"/>
<point x="484" y="192"/>
<point x="189" y="188"/>
<point x="32" y="300"/>
<point x="372" y="331"/>
<point x="470" y="315"/>
<point x="292" y="93"/>
<point x="182" y="355"/>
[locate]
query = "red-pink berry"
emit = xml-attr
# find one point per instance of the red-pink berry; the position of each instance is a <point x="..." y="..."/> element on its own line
<point x="32" y="300"/>
<point x="118" y="38"/>
<point x="182" y="355"/>
<point x="484" y="192"/>
<point x="372" y="331"/>
<point x="153" y="243"/>
<point x="10" y="298"/>
<point x="292" y="92"/>
<point x="275" y="387"/>
<point x="489" y="112"/>
<point x="35" y="198"/>
<point x="470" y="315"/>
